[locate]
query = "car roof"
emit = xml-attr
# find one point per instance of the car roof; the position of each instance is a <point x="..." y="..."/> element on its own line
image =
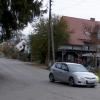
<point x="68" y="63"/>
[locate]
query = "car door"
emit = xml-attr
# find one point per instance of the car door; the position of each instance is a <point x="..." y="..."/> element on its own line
<point x="57" y="71"/>
<point x="64" y="72"/>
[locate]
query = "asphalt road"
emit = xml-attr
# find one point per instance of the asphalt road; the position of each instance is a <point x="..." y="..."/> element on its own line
<point x="21" y="81"/>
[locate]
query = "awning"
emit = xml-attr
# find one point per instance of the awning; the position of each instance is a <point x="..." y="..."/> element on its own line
<point x="91" y="55"/>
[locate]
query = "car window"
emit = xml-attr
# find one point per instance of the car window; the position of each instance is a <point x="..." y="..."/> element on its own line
<point x="64" y="67"/>
<point x="58" y="65"/>
<point x="77" y="68"/>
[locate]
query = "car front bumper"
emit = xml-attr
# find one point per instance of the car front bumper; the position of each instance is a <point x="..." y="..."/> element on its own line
<point x="86" y="82"/>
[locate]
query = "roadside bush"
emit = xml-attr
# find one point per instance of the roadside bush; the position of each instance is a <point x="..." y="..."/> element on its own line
<point x="23" y="56"/>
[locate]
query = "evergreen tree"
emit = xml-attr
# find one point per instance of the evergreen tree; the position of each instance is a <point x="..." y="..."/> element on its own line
<point x="15" y="14"/>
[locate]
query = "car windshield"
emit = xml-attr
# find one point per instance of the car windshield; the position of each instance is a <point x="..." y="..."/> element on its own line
<point x="77" y="68"/>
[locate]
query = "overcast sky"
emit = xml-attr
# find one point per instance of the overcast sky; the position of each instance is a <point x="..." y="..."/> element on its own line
<point x="76" y="8"/>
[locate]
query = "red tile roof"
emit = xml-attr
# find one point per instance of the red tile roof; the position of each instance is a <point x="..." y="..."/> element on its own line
<point x="76" y="26"/>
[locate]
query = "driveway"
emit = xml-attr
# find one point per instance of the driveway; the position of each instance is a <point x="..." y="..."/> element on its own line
<point x="22" y="81"/>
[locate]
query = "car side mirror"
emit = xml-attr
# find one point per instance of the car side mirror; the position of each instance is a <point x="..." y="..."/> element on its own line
<point x="66" y="70"/>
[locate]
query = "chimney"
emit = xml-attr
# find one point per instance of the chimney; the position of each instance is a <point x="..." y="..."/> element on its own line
<point x="92" y="19"/>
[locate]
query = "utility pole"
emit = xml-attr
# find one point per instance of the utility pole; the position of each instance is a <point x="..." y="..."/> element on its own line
<point x="50" y="37"/>
<point x="52" y="40"/>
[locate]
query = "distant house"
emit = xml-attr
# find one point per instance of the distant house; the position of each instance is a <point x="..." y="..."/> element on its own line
<point x="21" y="45"/>
<point x="84" y="40"/>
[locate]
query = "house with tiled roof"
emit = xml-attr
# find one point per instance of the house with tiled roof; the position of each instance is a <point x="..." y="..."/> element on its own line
<point x="80" y="29"/>
<point x="84" y="39"/>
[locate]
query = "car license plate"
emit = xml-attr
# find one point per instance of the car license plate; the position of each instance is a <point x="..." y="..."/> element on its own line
<point x="90" y="82"/>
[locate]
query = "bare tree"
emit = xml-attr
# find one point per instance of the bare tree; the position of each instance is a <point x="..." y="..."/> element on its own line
<point x="93" y="32"/>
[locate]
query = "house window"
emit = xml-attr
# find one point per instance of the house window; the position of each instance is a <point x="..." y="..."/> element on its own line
<point x="87" y="33"/>
<point x="98" y="35"/>
<point x="98" y="46"/>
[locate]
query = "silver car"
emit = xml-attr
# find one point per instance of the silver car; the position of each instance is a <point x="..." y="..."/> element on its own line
<point x="72" y="73"/>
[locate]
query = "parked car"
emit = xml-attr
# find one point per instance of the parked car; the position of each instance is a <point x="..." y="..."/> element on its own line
<point x="72" y="73"/>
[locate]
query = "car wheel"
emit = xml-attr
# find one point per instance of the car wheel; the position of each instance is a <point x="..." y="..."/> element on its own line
<point x="71" y="81"/>
<point x="51" y="77"/>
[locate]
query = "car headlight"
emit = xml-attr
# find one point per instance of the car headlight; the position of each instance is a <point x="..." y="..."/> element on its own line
<point x="80" y="78"/>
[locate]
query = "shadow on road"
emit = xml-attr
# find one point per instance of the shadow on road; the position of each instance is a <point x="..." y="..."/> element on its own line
<point x="67" y="85"/>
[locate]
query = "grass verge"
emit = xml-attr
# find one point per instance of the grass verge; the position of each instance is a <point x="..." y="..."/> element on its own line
<point x="98" y="74"/>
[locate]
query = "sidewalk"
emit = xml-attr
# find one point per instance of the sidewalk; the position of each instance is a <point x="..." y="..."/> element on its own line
<point x="34" y="64"/>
